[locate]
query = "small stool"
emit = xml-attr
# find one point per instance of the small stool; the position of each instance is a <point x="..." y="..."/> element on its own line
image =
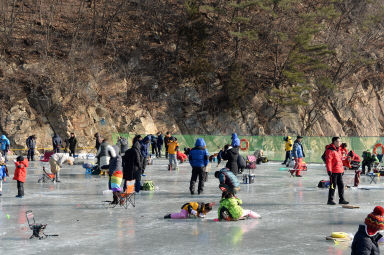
<point x="373" y="177"/>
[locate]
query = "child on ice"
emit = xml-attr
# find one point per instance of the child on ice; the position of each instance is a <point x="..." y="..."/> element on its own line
<point x="3" y="173"/>
<point x="191" y="208"/>
<point x="230" y="209"/>
<point x="20" y="174"/>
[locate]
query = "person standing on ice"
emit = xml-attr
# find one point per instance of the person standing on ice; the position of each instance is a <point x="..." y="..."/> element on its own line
<point x="167" y="139"/>
<point x="104" y="154"/>
<point x="3" y="173"/>
<point x="57" y="143"/>
<point x="198" y="158"/>
<point x="145" y="150"/>
<point x="31" y="145"/>
<point x="20" y="174"/>
<point x="4" y="147"/>
<point x="133" y="164"/>
<point x="335" y="170"/>
<point x="71" y="144"/>
<point x="298" y="155"/>
<point x="288" y="149"/>
<point x="231" y="154"/>
<point x="123" y="145"/>
<point x="99" y="140"/>
<point x="159" y="144"/>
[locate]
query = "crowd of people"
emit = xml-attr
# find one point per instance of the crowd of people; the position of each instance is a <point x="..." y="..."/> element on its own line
<point x="123" y="162"/>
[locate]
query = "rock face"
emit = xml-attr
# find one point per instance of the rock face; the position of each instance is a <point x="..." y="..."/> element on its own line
<point x="148" y="66"/>
<point x="364" y="118"/>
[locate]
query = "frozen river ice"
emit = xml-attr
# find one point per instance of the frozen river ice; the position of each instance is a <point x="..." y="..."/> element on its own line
<point x="295" y="217"/>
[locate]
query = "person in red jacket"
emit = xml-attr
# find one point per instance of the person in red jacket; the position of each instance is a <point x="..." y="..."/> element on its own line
<point x="335" y="170"/>
<point x="344" y="153"/>
<point x="182" y="157"/>
<point x="20" y="174"/>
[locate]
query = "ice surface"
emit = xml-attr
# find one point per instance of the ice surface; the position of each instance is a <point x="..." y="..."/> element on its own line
<point x="295" y="217"/>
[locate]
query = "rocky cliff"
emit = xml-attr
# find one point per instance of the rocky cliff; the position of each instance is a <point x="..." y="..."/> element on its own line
<point x="210" y="67"/>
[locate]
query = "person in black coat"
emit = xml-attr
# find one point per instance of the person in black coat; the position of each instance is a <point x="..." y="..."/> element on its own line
<point x="160" y="142"/>
<point x="133" y="165"/>
<point x="99" y="140"/>
<point x="241" y="164"/>
<point x="31" y="145"/>
<point x="231" y="153"/>
<point x="57" y="143"/>
<point x="71" y="143"/>
<point x="366" y="238"/>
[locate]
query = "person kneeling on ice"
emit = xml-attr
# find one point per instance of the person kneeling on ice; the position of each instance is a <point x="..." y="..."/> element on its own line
<point x="57" y="160"/>
<point x="182" y="157"/>
<point x="228" y="181"/>
<point x="191" y="208"/>
<point x="230" y="209"/>
<point x="367" y="236"/>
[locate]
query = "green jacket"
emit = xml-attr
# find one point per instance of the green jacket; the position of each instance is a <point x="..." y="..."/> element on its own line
<point x="233" y="207"/>
<point x="370" y="157"/>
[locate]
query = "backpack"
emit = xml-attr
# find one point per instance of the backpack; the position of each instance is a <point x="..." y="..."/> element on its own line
<point x="323" y="156"/>
<point x="148" y="186"/>
<point x="324" y="184"/>
<point x="251" y="162"/>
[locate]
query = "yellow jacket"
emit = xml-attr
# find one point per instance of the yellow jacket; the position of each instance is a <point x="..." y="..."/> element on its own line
<point x="289" y="144"/>
<point x="172" y="147"/>
<point x="199" y="208"/>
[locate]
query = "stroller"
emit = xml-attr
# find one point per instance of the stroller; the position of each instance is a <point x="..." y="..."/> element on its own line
<point x="46" y="177"/>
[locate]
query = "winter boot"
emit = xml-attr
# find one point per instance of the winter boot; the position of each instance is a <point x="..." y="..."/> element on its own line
<point x="57" y="177"/>
<point x="168" y="216"/>
<point x="115" y="200"/>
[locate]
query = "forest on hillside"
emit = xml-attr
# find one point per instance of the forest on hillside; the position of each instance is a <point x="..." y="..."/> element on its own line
<point x="199" y="56"/>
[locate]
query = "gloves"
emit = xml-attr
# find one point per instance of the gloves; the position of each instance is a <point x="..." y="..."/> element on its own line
<point x="329" y="173"/>
<point x="194" y="212"/>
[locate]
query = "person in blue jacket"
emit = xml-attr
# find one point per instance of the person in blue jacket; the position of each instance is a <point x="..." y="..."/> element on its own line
<point x="145" y="143"/>
<point x="198" y="158"/>
<point x="4" y="146"/>
<point x="298" y="154"/>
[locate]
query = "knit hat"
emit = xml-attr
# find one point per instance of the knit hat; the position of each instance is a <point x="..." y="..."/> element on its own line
<point x="375" y="221"/>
